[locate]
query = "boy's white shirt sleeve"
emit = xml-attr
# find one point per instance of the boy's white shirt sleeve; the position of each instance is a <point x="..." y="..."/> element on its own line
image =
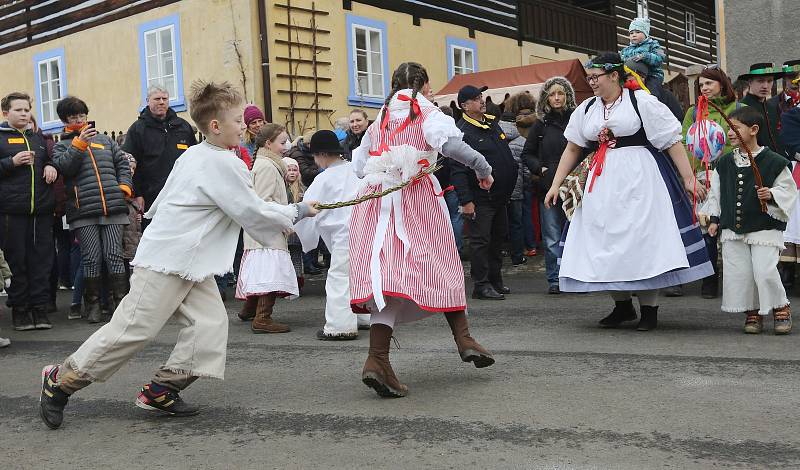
<point x="711" y="206"/>
<point x="307" y="229"/>
<point x="231" y="189"/>
<point x="784" y="196"/>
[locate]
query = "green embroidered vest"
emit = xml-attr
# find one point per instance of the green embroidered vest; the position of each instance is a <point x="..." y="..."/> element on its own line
<point x="740" y="208"/>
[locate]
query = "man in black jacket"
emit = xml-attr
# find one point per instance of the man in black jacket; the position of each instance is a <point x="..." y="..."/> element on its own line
<point x="27" y="203"/>
<point x="485" y="211"/>
<point x="156" y="140"/>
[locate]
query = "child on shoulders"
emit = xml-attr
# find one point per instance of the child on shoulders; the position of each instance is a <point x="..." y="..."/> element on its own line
<point x="646" y="49"/>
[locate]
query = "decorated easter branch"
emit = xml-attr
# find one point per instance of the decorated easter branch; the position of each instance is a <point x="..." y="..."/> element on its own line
<point x="423" y="173"/>
<point x="756" y="171"/>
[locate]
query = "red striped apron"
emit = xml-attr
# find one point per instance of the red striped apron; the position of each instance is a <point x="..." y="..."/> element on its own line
<point x="416" y="253"/>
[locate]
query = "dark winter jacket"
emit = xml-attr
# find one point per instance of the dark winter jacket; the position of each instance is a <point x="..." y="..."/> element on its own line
<point x="96" y="176"/>
<point x="305" y="160"/>
<point x="22" y="188"/>
<point x="516" y="143"/>
<point x="491" y="142"/>
<point x="545" y="144"/>
<point x="156" y="144"/>
<point x="351" y="142"/>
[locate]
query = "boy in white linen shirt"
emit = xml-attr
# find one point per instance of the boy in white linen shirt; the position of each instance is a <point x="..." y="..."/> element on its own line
<point x="337" y="182"/>
<point x="192" y="237"/>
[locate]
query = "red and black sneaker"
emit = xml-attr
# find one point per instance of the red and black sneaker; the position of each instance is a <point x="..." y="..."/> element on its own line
<point x="52" y="399"/>
<point x="154" y="397"/>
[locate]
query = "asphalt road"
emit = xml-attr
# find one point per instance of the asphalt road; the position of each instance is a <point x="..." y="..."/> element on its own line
<point x="696" y="393"/>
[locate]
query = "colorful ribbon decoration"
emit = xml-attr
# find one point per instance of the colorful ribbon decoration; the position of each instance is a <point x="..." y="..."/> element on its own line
<point x="607" y="141"/>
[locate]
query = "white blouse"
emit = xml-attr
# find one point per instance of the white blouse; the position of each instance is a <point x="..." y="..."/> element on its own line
<point x="661" y="127"/>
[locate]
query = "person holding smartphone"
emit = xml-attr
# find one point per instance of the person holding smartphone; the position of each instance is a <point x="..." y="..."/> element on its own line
<point x="97" y="177"/>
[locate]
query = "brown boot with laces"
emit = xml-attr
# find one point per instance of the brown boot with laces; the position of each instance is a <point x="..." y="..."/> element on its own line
<point x="753" y="323"/>
<point x="378" y="374"/>
<point x="263" y="323"/>
<point x="782" y="318"/>
<point x="469" y="349"/>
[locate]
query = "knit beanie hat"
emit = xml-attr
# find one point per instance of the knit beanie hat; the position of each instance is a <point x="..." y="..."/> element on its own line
<point x="251" y="113"/>
<point x="290" y="161"/>
<point x="640" y="24"/>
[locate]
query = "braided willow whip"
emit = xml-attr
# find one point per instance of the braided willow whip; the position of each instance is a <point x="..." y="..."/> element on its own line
<point x="419" y="176"/>
<point x="756" y="171"/>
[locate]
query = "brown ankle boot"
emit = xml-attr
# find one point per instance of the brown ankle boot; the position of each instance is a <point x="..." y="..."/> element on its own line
<point x="248" y="311"/>
<point x="262" y="323"/>
<point x="469" y="349"/>
<point x="378" y="373"/>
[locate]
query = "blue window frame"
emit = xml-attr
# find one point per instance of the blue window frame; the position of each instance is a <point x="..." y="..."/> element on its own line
<point x="160" y="59"/>
<point x="51" y="85"/>
<point x="368" y="59"/>
<point x="462" y="56"/>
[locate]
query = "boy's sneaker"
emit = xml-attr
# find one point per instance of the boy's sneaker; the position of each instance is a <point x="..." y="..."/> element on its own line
<point x="5" y="342"/>
<point x="783" y="320"/>
<point x="165" y="400"/>
<point x="23" y="320"/>
<point x="74" y="312"/>
<point x="753" y="323"/>
<point x="52" y="399"/>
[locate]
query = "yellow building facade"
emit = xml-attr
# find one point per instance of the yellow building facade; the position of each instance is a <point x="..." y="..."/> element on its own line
<point x="110" y="65"/>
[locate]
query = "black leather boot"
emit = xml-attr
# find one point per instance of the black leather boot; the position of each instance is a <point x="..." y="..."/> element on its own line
<point x="649" y="319"/>
<point x="23" y="321"/>
<point x="91" y="299"/>
<point x="623" y="311"/>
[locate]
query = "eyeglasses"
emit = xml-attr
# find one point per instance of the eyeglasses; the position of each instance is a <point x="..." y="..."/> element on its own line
<point x="595" y="78"/>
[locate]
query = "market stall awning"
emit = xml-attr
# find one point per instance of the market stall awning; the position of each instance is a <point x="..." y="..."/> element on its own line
<point x="516" y="79"/>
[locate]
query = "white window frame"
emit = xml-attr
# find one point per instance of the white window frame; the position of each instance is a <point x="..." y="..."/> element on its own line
<point x="691" y="28"/>
<point x="462" y="51"/>
<point x="370" y="49"/>
<point x="641" y="9"/>
<point x="159" y="77"/>
<point x="51" y="103"/>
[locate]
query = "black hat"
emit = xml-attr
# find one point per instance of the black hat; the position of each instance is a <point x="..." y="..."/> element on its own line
<point x="469" y="92"/>
<point x="325" y="142"/>
<point x="790" y="68"/>
<point x="761" y="69"/>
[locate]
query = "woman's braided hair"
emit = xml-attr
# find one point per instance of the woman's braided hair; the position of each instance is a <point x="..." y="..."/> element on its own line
<point x="408" y="75"/>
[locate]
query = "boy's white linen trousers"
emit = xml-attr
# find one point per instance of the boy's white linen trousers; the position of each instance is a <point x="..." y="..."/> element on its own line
<point x="750" y="278"/>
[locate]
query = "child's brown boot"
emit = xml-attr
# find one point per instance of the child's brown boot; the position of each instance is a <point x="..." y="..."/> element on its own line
<point x="263" y="322"/>
<point x="782" y="320"/>
<point x="753" y="323"/>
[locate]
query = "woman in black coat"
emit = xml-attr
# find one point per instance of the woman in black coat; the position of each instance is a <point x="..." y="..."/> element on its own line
<point x="97" y="178"/>
<point x="359" y="121"/>
<point x="542" y="153"/>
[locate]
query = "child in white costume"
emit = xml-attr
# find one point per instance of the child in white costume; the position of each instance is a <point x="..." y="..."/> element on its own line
<point x="337" y="182"/>
<point x="195" y="226"/>
<point x="751" y="238"/>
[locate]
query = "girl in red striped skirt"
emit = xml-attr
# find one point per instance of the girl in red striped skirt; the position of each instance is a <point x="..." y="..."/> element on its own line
<point x="404" y="265"/>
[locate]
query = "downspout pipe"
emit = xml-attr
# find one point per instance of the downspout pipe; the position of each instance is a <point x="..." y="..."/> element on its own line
<point x="265" y="75"/>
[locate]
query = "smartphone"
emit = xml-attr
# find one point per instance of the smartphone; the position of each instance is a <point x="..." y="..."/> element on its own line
<point x="92" y="124"/>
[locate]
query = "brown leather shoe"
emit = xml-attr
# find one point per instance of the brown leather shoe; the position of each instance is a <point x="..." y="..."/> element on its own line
<point x="782" y="318"/>
<point x="263" y="323"/>
<point x="469" y="349"/>
<point x="378" y="374"/>
<point x="248" y="311"/>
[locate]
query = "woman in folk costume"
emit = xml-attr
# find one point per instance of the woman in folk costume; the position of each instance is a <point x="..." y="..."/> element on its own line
<point x="404" y="265"/>
<point x="634" y="230"/>
<point x="267" y="271"/>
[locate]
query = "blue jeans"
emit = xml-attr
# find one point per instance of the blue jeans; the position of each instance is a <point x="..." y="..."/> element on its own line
<point x="527" y="220"/>
<point x="451" y="198"/>
<point x="516" y="229"/>
<point x="552" y="221"/>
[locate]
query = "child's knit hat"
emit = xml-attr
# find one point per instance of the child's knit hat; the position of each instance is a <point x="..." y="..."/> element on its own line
<point x="640" y="24"/>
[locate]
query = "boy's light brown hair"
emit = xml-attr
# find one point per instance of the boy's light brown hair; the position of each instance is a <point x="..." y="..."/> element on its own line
<point x="209" y="101"/>
<point x="5" y="104"/>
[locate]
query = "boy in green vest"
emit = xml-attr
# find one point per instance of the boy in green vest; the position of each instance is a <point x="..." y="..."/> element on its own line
<point x="751" y="237"/>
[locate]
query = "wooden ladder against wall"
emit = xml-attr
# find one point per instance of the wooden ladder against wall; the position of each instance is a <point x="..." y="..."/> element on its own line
<point x="304" y="75"/>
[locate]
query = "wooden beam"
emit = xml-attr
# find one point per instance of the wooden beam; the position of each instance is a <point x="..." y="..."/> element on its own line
<point x="304" y="10"/>
<point x="301" y="28"/>
<point x="38" y="13"/>
<point x="301" y="44"/>
<point x="305" y="93"/>
<point x="303" y="77"/>
<point x="302" y="61"/>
